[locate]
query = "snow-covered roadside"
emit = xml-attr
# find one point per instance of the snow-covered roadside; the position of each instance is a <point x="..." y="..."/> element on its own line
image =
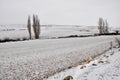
<point x="38" y="59"/>
<point x="104" y="67"/>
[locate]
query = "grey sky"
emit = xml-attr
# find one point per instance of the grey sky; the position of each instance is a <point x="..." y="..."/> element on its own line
<point x="81" y="12"/>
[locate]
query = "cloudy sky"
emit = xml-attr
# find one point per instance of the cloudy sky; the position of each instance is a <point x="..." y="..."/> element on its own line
<point x="75" y="12"/>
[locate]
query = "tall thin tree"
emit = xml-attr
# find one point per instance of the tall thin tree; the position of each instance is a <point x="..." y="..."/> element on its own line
<point x="100" y="25"/>
<point x="29" y="27"/>
<point x="36" y="26"/>
<point x="106" y="27"/>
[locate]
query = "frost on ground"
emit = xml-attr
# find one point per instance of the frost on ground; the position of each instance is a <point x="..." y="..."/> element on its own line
<point x="48" y="31"/>
<point x="38" y="59"/>
<point x="104" y="67"/>
<point x="20" y="31"/>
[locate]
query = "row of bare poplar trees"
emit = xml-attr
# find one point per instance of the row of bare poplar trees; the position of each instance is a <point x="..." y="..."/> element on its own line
<point x="103" y="26"/>
<point x="36" y="26"/>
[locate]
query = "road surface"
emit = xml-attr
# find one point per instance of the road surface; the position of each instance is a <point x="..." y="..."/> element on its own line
<point x="38" y="59"/>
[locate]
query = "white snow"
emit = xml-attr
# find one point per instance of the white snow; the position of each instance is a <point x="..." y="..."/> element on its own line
<point x="42" y="58"/>
<point x="106" y="67"/>
<point x="38" y="59"/>
<point x="20" y="31"/>
<point x="49" y="31"/>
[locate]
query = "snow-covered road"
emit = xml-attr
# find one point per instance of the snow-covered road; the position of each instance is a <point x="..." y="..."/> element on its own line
<point x="41" y="58"/>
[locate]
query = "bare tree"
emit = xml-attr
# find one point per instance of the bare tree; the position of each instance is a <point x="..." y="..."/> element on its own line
<point x="29" y="27"/>
<point x="102" y="26"/>
<point x="106" y="27"/>
<point x="36" y="26"/>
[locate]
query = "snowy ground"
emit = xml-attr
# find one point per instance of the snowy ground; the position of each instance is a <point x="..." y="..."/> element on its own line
<point x="104" y="67"/>
<point x="20" y="31"/>
<point x="48" y="31"/>
<point x="37" y="59"/>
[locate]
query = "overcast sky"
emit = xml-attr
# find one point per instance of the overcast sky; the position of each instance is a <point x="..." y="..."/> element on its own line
<point x="75" y="12"/>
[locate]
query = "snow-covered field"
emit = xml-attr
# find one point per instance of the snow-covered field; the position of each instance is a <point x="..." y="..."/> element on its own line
<point x="104" y="67"/>
<point x="20" y="32"/>
<point x="41" y="58"/>
<point x="50" y="31"/>
<point x="38" y="59"/>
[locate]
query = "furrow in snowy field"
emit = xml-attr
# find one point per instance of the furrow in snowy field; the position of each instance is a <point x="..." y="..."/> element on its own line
<point x="41" y="58"/>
